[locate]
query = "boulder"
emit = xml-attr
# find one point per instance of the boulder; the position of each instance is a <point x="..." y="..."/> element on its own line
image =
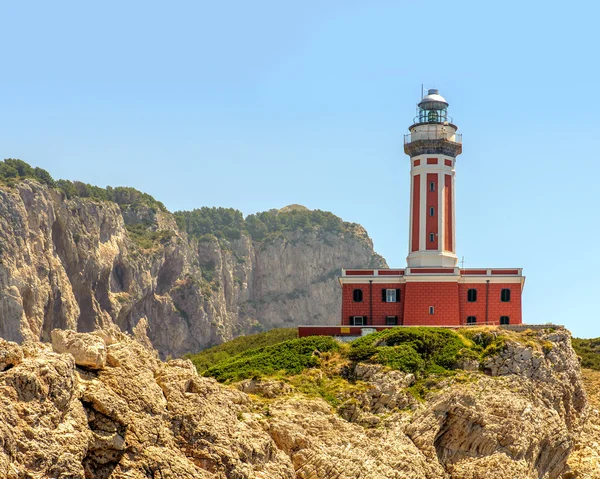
<point x="88" y="350"/>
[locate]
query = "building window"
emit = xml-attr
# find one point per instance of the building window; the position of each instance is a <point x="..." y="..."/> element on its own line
<point x="357" y="295"/>
<point x="431" y="310"/>
<point x="504" y="319"/>
<point x="431" y="237"/>
<point x="472" y="295"/>
<point x="358" y="320"/>
<point x="391" y="320"/>
<point x="431" y="211"/>
<point x="505" y="295"/>
<point x="471" y="319"/>
<point x="390" y="295"/>
<point x="432" y="186"/>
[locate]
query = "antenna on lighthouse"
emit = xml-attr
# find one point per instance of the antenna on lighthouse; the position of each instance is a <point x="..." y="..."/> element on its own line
<point x="462" y="263"/>
<point x="421" y="91"/>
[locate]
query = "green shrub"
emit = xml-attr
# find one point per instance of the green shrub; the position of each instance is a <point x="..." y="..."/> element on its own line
<point x="209" y="357"/>
<point x="13" y="169"/>
<point x="289" y="357"/>
<point x="362" y="352"/>
<point x="436" y="346"/>
<point x="402" y="357"/>
<point x="589" y="352"/>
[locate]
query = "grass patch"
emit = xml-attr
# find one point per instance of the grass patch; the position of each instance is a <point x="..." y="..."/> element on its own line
<point x="289" y="357"/>
<point x="589" y="352"/>
<point x="209" y="357"/>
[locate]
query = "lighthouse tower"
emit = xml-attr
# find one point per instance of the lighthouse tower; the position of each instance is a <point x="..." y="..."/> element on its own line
<point x="432" y="290"/>
<point x="433" y="146"/>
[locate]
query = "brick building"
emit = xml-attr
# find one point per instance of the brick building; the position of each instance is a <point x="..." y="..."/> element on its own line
<point x="432" y="290"/>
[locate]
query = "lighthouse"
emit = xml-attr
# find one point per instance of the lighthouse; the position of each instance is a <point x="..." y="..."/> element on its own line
<point x="431" y="290"/>
<point x="432" y="145"/>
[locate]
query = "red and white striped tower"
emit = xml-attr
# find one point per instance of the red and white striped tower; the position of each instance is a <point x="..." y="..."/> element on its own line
<point x="433" y="146"/>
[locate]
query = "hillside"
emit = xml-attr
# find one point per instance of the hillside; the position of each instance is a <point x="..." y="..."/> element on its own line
<point x="589" y="352"/>
<point x="414" y="403"/>
<point x="77" y="256"/>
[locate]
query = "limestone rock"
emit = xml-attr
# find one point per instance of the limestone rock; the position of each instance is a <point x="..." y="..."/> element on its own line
<point x="137" y="417"/>
<point x="10" y="354"/>
<point x="88" y="350"/>
<point x="74" y="264"/>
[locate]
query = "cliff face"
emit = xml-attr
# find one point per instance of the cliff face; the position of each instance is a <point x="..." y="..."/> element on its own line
<point x="84" y="264"/>
<point x="101" y="405"/>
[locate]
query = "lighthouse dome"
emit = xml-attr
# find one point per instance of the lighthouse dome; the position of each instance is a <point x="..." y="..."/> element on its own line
<point x="433" y="101"/>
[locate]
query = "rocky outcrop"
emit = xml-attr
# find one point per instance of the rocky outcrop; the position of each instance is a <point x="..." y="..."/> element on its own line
<point x="86" y="264"/>
<point x="137" y="417"/>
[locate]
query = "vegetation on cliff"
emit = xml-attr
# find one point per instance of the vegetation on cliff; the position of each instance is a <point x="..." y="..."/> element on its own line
<point x="421" y="351"/>
<point x="589" y="352"/>
<point x="13" y="170"/>
<point x="209" y="357"/>
<point x="289" y="357"/>
<point x="229" y="223"/>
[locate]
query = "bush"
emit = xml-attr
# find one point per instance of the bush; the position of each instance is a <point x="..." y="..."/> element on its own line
<point x="589" y="351"/>
<point x="289" y="357"/>
<point x="362" y="352"/>
<point x="13" y="169"/>
<point x="402" y="357"/>
<point x="433" y="349"/>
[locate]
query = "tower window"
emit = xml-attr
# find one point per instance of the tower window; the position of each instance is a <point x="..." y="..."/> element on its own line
<point x="431" y="310"/>
<point x="391" y="320"/>
<point x="432" y="186"/>
<point x="357" y="295"/>
<point x="504" y="320"/>
<point x="471" y="319"/>
<point x="472" y="295"/>
<point x="390" y="295"/>
<point x="505" y="295"/>
<point x="431" y="237"/>
<point x="431" y="211"/>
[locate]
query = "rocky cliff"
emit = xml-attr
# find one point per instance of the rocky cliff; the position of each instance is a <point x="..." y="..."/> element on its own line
<point x="101" y="405"/>
<point x="84" y="264"/>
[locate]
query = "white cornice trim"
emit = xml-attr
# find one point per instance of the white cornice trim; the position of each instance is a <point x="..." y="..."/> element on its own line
<point x="374" y="279"/>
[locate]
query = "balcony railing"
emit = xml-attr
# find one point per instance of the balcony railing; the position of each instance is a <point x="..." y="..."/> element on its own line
<point x="433" y="135"/>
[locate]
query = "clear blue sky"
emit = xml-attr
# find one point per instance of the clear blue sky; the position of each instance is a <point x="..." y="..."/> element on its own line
<point x="256" y="105"/>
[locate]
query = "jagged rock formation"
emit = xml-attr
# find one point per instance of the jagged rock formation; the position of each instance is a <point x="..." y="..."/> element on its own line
<point x="84" y="264"/>
<point x="137" y="417"/>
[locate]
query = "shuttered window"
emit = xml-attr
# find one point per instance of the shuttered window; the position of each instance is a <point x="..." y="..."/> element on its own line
<point x="504" y="320"/>
<point x="390" y="295"/>
<point x="357" y="295"/>
<point x="505" y="295"/>
<point x="471" y="319"/>
<point x="472" y="295"/>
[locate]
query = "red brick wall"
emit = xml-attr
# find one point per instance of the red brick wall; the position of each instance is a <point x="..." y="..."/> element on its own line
<point x="415" y="212"/>
<point x="432" y="221"/>
<point x="418" y="298"/>
<point x="496" y="308"/>
<point x="448" y="299"/>
<point x="380" y="309"/>
<point x="448" y="212"/>
<point x="511" y="309"/>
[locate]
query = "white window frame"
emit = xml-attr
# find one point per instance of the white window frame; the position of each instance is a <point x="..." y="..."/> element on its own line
<point x="362" y="320"/>
<point x="431" y="237"/>
<point x="432" y="211"/>
<point x="431" y="309"/>
<point x="432" y="186"/>
<point x="390" y="296"/>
